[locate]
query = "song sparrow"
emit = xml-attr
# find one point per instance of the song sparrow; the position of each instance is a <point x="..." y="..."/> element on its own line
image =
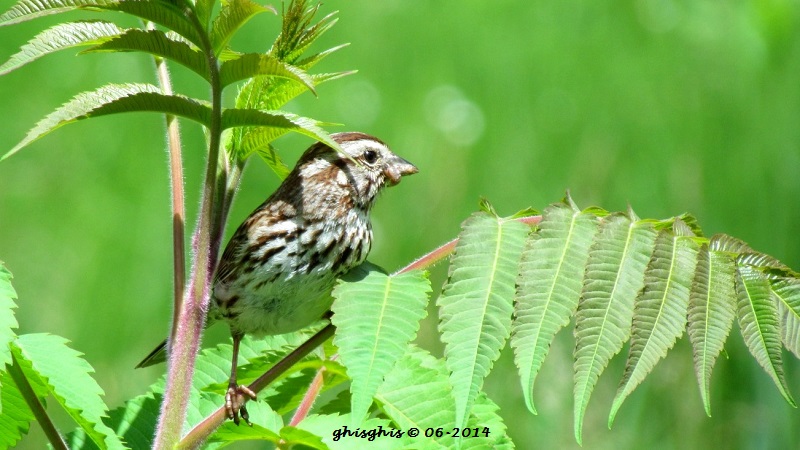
<point x="277" y="272"/>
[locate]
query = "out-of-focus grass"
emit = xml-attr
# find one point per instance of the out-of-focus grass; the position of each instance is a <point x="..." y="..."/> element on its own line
<point x="670" y="105"/>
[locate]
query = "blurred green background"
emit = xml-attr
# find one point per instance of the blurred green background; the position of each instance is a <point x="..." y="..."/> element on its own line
<point x="669" y="105"/>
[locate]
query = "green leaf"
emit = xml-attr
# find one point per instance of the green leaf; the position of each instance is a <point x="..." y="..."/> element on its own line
<point x="416" y="394"/>
<point x="203" y="9"/>
<point x="549" y="286"/>
<point x="230" y="432"/>
<point x="310" y="61"/>
<point x="487" y="420"/>
<point x="113" y="99"/>
<point x="659" y="314"/>
<point x="68" y="379"/>
<point x="135" y="422"/>
<point x="758" y="321"/>
<point x="376" y="316"/>
<point x="614" y="275"/>
<point x="213" y="370"/>
<point x="476" y="303"/>
<point x="266" y="426"/>
<point x="788" y="293"/>
<point x="297" y="32"/>
<point x="270" y="156"/>
<point x="711" y="311"/>
<point x="288" y="436"/>
<point x="725" y="243"/>
<point x="163" y="12"/>
<point x="25" y="10"/>
<point x="270" y="93"/>
<point x="338" y="405"/>
<point x="308" y="36"/>
<point x="7" y="320"/>
<point x="252" y="64"/>
<point x="15" y="415"/>
<point x="60" y="37"/>
<point x="156" y="42"/>
<point x="232" y="15"/>
<point x="286" y="395"/>
<point x="299" y="438"/>
<point x="168" y="13"/>
<point x="266" y="93"/>
<point x="767" y="264"/>
<point x="277" y="119"/>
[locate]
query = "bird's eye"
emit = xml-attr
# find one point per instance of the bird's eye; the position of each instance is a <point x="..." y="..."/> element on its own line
<point x="370" y="156"/>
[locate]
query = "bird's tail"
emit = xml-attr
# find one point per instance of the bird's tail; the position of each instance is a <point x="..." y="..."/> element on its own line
<point x="158" y="355"/>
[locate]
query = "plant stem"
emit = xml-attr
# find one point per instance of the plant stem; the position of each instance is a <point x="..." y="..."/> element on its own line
<point x="192" y="314"/>
<point x="444" y="250"/>
<point x="310" y="396"/>
<point x="178" y="198"/>
<point x="35" y="405"/>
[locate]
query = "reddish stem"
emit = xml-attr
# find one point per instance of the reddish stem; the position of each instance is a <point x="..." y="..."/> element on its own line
<point x="444" y="250"/>
<point x="311" y="395"/>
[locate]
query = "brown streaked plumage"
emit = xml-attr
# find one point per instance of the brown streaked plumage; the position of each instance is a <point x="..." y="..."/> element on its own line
<point x="277" y="271"/>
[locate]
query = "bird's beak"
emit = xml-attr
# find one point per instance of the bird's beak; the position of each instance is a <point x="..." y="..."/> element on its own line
<point x="397" y="168"/>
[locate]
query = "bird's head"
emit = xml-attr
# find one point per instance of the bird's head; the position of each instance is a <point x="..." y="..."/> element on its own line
<point x="371" y="166"/>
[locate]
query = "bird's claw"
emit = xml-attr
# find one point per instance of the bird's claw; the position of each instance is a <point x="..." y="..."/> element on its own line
<point x="235" y="400"/>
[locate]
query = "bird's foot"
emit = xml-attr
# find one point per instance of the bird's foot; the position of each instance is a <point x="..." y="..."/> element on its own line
<point x="235" y="400"/>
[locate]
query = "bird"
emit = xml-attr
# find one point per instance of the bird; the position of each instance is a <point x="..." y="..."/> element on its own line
<point x="277" y="271"/>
